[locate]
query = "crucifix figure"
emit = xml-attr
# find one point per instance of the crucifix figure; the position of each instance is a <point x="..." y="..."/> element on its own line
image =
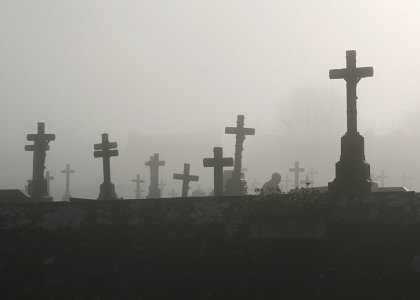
<point x="382" y="178"/>
<point x="186" y="179"/>
<point x="172" y="194"/>
<point x="218" y="162"/>
<point x="37" y="187"/>
<point x="137" y="181"/>
<point x="352" y="171"/>
<point x="67" y="171"/>
<point x="237" y="185"/>
<point x="106" y="150"/>
<point x="154" y="163"/>
<point x="48" y="178"/>
<point x="296" y="170"/>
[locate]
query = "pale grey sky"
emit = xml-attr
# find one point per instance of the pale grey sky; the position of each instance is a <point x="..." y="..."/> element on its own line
<point x="92" y="66"/>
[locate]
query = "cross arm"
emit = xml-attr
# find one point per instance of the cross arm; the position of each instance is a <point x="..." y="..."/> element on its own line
<point x="178" y="176"/>
<point x="193" y="178"/>
<point x="208" y="162"/>
<point x="228" y="162"/>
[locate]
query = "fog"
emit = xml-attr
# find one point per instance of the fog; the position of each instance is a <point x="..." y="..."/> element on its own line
<point x="168" y="76"/>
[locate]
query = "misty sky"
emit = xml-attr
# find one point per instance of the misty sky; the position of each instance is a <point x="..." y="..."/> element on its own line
<point x="92" y="66"/>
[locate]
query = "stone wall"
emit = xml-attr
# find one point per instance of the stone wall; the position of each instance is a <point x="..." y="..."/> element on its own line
<point x="306" y="245"/>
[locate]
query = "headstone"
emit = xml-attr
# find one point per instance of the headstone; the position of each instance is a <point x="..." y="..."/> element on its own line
<point x="67" y="171"/>
<point x="137" y="181"/>
<point x="106" y="150"/>
<point x="237" y="185"/>
<point x="173" y="194"/>
<point x="37" y="187"/>
<point x="352" y="171"/>
<point x="382" y="178"/>
<point x="218" y="162"/>
<point x="154" y="163"/>
<point x="312" y="174"/>
<point x="296" y="170"/>
<point x="48" y="178"/>
<point x="186" y="179"/>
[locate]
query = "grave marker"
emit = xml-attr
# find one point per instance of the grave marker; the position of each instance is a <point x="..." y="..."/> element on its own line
<point x="137" y="181"/>
<point x="296" y="170"/>
<point x="67" y="171"/>
<point x="106" y="150"/>
<point x="218" y="162"/>
<point x="186" y="179"/>
<point x="154" y="163"/>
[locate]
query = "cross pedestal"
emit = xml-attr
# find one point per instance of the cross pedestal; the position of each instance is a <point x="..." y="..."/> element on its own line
<point x="106" y="150"/>
<point x="154" y="163"/>
<point x="186" y="179"/>
<point x="38" y="186"/>
<point x="352" y="171"/>
<point x="236" y="186"/>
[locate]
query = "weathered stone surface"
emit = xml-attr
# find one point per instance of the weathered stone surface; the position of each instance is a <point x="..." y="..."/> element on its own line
<point x="310" y="246"/>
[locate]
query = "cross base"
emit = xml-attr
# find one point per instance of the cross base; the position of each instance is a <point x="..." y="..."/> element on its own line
<point x="37" y="189"/>
<point x="236" y="187"/>
<point x="107" y="192"/>
<point x="352" y="171"/>
<point x="154" y="193"/>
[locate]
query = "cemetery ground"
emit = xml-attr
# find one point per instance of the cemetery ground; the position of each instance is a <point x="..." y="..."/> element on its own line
<point x="289" y="246"/>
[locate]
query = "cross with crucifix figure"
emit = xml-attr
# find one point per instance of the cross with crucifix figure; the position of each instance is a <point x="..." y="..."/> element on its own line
<point x="106" y="150"/>
<point x="382" y="178"/>
<point x="137" y="181"/>
<point x="37" y="187"/>
<point x="218" y="162"/>
<point x="173" y="194"/>
<point x="154" y="163"/>
<point x="296" y="170"/>
<point x="237" y="185"/>
<point x="48" y="178"/>
<point x="67" y="171"/>
<point x="186" y="179"/>
<point x="352" y="171"/>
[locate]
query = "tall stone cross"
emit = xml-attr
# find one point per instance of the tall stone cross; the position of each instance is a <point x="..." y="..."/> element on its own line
<point x="186" y="179"/>
<point x="37" y="187"/>
<point x="172" y="194"/>
<point x="106" y="150"/>
<point x="137" y="181"/>
<point x="48" y="178"/>
<point x="154" y="163"/>
<point x="237" y="185"/>
<point x="352" y="171"/>
<point x="382" y="178"/>
<point x="312" y="174"/>
<point x="218" y="162"/>
<point x="296" y="170"/>
<point x="67" y="171"/>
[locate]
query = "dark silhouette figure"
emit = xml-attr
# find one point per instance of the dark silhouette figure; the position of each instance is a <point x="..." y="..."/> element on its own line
<point x="352" y="171"/>
<point x="296" y="170"/>
<point x="106" y="150"/>
<point x="38" y="186"/>
<point x="218" y="162"/>
<point x="67" y="171"/>
<point x="186" y="179"/>
<point x="237" y="185"/>
<point x="154" y="163"/>
<point x="137" y="181"/>
<point x="272" y="186"/>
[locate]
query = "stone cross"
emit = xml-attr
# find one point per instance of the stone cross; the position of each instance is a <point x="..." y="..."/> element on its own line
<point x="237" y="185"/>
<point x="218" y="162"/>
<point x="37" y="187"/>
<point x="106" y="150"/>
<point x="67" y="171"/>
<point x="48" y="178"/>
<point x="307" y="181"/>
<point x="382" y="178"/>
<point x="186" y="179"/>
<point x="312" y="174"/>
<point x="296" y="170"/>
<point x="154" y="163"/>
<point x="173" y="194"/>
<point x="352" y="171"/>
<point x="137" y="181"/>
